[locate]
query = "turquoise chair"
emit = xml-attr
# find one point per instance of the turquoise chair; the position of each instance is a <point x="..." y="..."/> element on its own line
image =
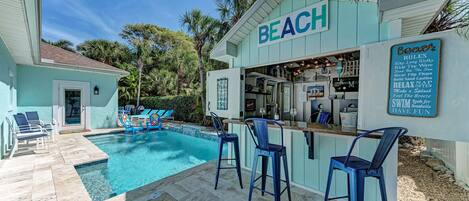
<point x="168" y="115"/>
<point x="143" y="114"/>
<point x="155" y="122"/>
<point x="127" y="124"/>
<point x="161" y="112"/>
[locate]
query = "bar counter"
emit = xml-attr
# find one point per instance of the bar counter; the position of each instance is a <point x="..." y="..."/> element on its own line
<point x="309" y="150"/>
<point x="312" y="127"/>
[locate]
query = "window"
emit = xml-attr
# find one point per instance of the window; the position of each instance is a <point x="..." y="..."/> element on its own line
<point x="222" y="94"/>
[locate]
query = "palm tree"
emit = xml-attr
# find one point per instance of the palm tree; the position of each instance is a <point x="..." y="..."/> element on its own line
<point x="62" y="43"/>
<point x="109" y="52"/>
<point x="141" y="38"/>
<point x="201" y="27"/>
<point x="454" y="15"/>
<point x="230" y="12"/>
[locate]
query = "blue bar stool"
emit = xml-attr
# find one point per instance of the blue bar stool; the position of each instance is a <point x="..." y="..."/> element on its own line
<point x="223" y="138"/>
<point x="357" y="168"/>
<point x="259" y="130"/>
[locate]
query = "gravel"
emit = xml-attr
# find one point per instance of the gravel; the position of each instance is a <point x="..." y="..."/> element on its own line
<point x="418" y="182"/>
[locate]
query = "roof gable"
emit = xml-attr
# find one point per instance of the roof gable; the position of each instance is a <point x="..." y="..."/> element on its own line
<point x="228" y="47"/>
<point x="55" y="55"/>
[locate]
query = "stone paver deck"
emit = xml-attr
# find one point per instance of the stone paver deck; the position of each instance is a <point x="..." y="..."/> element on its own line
<point x="49" y="174"/>
<point x="197" y="184"/>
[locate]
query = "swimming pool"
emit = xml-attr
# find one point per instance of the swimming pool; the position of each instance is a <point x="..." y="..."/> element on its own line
<point x="140" y="159"/>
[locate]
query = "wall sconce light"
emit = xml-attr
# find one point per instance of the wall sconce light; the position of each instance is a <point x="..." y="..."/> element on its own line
<point x="96" y="90"/>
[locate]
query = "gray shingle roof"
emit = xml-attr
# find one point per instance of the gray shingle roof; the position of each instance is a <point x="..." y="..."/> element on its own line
<point x="55" y="55"/>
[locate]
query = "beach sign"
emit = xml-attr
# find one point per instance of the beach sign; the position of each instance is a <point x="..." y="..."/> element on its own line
<point x="309" y="20"/>
<point x="413" y="78"/>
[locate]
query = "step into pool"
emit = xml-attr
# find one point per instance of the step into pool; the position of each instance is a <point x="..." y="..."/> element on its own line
<point x="139" y="159"/>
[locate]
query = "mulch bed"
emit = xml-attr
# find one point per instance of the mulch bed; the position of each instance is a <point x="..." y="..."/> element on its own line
<point x="417" y="181"/>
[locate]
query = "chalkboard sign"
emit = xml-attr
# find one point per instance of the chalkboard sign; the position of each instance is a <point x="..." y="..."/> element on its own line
<point x="413" y="78"/>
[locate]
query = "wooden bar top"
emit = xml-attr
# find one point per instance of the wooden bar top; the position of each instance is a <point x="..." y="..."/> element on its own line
<point x="313" y="127"/>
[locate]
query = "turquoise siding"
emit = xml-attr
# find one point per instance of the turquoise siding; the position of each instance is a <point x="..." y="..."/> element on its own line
<point x="35" y="93"/>
<point x="351" y="24"/>
<point x="7" y="95"/>
<point x="312" y="174"/>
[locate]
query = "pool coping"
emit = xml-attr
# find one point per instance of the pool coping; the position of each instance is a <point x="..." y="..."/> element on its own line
<point x="179" y="128"/>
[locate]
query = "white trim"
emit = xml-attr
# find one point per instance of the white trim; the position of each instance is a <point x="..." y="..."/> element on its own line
<point x="81" y="69"/>
<point x="413" y="10"/>
<point x="57" y="108"/>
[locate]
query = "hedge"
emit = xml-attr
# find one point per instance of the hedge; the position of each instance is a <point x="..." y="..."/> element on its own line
<point x="186" y="108"/>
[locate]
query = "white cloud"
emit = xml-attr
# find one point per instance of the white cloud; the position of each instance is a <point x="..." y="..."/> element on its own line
<point x="50" y="32"/>
<point x="78" y="10"/>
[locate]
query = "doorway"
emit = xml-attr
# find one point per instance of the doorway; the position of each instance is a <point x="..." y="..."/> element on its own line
<point x="71" y="105"/>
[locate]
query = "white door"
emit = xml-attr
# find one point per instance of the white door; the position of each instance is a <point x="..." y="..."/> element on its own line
<point x="224" y="93"/>
<point x="71" y="105"/>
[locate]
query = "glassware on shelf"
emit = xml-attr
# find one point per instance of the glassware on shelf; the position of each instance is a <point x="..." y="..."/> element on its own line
<point x="293" y="113"/>
<point x="262" y="111"/>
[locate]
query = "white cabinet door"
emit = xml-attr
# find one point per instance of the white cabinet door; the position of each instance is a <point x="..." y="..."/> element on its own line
<point x="224" y="93"/>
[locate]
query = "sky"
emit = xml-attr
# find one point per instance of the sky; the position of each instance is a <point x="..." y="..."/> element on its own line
<point x="80" y="20"/>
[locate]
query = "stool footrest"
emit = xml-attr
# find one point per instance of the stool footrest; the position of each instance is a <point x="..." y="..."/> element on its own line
<point x="268" y="192"/>
<point x="228" y="159"/>
<point x="338" y="198"/>
<point x="267" y="176"/>
<point x="224" y="168"/>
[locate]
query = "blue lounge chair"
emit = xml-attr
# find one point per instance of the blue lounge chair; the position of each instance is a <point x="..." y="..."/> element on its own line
<point x="358" y="169"/>
<point x="144" y="114"/>
<point x="25" y="132"/>
<point x="128" y="126"/>
<point x="161" y="112"/>
<point x="168" y="115"/>
<point x="33" y="119"/>
<point x="155" y="122"/>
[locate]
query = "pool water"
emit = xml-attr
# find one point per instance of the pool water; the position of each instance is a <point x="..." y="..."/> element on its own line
<point x="139" y="159"/>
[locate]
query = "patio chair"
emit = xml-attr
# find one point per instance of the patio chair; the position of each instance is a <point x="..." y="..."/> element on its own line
<point x="25" y="132"/>
<point x="161" y="112"/>
<point x="128" y="109"/>
<point x="258" y="128"/>
<point x="144" y="114"/>
<point x="358" y="169"/>
<point x="155" y="122"/>
<point x="168" y="115"/>
<point x="33" y="119"/>
<point x="224" y="138"/>
<point x="128" y="126"/>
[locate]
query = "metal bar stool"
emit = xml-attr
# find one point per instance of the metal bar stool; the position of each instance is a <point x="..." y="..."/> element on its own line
<point x="223" y="138"/>
<point x="357" y="168"/>
<point x="259" y="130"/>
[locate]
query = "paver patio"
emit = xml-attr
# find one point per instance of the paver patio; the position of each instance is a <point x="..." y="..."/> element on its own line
<point x="49" y="174"/>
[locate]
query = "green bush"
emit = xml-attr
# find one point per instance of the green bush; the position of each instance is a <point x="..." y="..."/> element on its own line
<point x="186" y="108"/>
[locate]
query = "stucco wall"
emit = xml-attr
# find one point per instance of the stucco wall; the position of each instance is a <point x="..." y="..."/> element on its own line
<point x="7" y="94"/>
<point x="351" y="24"/>
<point x="35" y="92"/>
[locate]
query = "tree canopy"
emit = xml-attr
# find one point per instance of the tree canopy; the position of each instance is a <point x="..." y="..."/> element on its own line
<point x="163" y="62"/>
